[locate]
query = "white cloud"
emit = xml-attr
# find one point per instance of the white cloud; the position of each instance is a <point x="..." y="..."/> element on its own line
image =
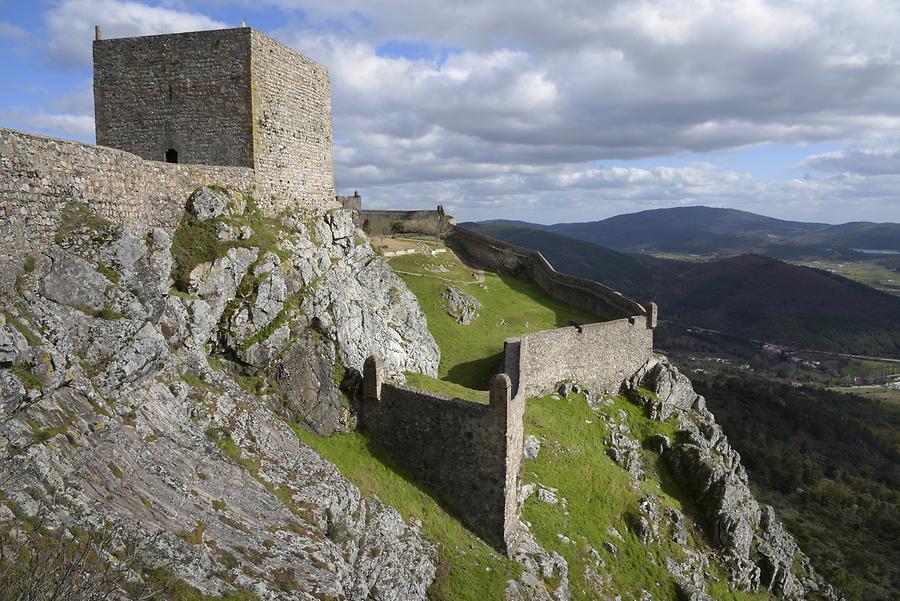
<point x="71" y="25"/>
<point x="79" y="127"/>
<point x="860" y="161"/>
<point x="8" y="31"/>
<point x="524" y="98"/>
<point x="533" y="93"/>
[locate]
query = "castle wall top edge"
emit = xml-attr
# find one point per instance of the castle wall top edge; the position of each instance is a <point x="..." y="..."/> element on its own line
<point x="236" y="31"/>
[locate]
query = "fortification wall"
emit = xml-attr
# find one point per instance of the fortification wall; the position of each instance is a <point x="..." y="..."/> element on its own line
<point x="39" y="175"/>
<point x="462" y="450"/>
<point x="187" y="91"/>
<point x="292" y="132"/>
<point x="598" y="356"/>
<point x="471" y="454"/>
<point x="433" y="223"/>
<point x="351" y="203"/>
<point x="505" y="258"/>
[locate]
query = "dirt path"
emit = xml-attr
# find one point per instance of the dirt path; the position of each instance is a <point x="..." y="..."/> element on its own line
<point x="479" y="277"/>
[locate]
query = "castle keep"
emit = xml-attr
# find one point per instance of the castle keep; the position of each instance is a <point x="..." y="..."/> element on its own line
<point x="174" y="112"/>
<point x="231" y="97"/>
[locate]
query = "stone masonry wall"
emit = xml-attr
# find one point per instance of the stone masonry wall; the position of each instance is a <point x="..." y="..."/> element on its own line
<point x="186" y="91"/>
<point x="598" y="355"/>
<point x="471" y="454"/>
<point x="39" y="175"/>
<point x="231" y="97"/>
<point x="292" y="133"/>
<point x="460" y="449"/>
<point x="506" y="258"/>
<point x="420" y="222"/>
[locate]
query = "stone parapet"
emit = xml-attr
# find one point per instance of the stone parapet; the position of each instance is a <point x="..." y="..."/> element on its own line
<point x="468" y="453"/>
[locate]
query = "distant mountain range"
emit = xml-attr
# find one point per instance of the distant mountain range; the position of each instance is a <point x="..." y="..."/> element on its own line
<point x="749" y="296"/>
<point x="712" y="231"/>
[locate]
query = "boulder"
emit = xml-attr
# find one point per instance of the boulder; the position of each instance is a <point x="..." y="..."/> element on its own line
<point x="532" y="447"/>
<point x="461" y="306"/>
<point x="207" y="203"/>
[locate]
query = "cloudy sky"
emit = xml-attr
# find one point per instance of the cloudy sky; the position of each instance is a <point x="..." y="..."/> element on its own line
<point x="546" y="110"/>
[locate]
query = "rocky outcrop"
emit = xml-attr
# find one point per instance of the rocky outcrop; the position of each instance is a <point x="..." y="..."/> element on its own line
<point x="540" y="569"/>
<point x="115" y="418"/>
<point x="758" y="552"/>
<point x="307" y="309"/>
<point x="461" y="306"/>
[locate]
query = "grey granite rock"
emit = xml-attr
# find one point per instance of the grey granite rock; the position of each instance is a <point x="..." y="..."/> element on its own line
<point x="460" y="305"/>
<point x="207" y="203"/>
<point x="305" y="376"/>
<point x="13" y="344"/>
<point x="758" y="551"/>
<point x="532" y="447"/>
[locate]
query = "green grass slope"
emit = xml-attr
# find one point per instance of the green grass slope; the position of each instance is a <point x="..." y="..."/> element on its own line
<point x="468" y="568"/>
<point x="600" y="496"/>
<point x="749" y="296"/>
<point x="471" y="354"/>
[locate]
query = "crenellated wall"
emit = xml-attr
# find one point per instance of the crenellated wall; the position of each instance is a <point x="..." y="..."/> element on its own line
<point x="40" y="175"/>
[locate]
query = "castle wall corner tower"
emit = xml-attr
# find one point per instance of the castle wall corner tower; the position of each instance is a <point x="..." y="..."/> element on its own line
<point x="230" y="97"/>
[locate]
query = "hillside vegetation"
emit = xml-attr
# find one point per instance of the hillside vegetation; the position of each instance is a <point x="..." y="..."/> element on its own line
<point x="579" y="503"/>
<point x="828" y="461"/>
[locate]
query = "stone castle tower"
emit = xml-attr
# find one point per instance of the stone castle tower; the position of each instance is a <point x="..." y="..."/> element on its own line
<point x="231" y="97"/>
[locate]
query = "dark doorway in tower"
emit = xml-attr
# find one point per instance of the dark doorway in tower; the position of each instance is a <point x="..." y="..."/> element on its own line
<point x="171" y="156"/>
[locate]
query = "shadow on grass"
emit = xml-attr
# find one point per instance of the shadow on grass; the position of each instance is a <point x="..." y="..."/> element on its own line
<point x="563" y="314"/>
<point x="476" y="374"/>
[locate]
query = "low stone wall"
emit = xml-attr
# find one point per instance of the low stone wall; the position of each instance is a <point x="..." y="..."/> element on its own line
<point x="598" y="356"/>
<point x="506" y="258"/>
<point x="40" y="175"/>
<point x="467" y="453"/>
<point x="432" y="223"/>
